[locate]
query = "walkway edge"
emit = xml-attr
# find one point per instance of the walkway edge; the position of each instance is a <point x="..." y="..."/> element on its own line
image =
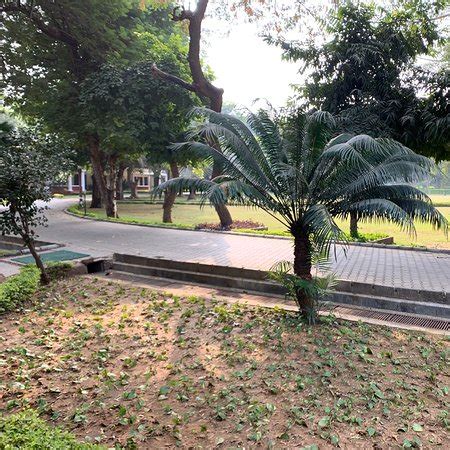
<point x="264" y="236"/>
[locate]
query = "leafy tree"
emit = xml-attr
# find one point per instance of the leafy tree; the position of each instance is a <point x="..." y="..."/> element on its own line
<point x="52" y="49"/>
<point x="295" y="170"/>
<point x="133" y="114"/>
<point x="29" y="162"/>
<point x="366" y="73"/>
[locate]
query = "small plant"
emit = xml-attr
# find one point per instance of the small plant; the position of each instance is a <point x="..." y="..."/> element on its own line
<point x="19" y="288"/>
<point x="58" y="270"/>
<point x="316" y="289"/>
<point x="25" y="430"/>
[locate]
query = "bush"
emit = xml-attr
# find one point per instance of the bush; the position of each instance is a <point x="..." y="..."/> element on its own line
<point x="19" y="288"/>
<point x="58" y="270"/>
<point x="25" y="430"/>
<point x="58" y="195"/>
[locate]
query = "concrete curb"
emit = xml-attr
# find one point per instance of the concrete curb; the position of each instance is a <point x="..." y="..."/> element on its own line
<point x="379" y="297"/>
<point x="264" y="236"/>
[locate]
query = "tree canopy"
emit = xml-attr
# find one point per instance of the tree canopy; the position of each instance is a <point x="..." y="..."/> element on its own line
<point x="30" y="160"/>
<point x="366" y="72"/>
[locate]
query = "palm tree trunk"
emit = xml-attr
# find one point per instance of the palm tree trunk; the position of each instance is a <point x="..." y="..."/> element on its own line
<point x="170" y="195"/>
<point x="302" y="268"/>
<point x="353" y="224"/>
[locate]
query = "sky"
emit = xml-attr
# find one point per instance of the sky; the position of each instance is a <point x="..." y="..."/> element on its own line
<point x="247" y="68"/>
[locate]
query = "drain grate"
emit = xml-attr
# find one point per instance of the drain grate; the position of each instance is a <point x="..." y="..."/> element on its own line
<point x="404" y="319"/>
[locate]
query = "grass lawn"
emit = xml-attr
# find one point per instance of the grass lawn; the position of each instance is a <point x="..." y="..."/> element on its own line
<point x="122" y="365"/>
<point x="185" y="215"/>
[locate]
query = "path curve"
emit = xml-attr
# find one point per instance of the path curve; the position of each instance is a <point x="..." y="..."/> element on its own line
<point x="382" y="266"/>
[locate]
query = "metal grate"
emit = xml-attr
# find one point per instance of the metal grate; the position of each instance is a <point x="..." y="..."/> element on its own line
<point x="404" y="319"/>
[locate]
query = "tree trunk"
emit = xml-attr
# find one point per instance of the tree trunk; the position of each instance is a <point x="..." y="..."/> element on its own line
<point x="37" y="259"/>
<point x="110" y="204"/>
<point x="170" y="195"/>
<point x="353" y="224"/>
<point x="111" y="184"/>
<point x="131" y="183"/>
<point x="96" y="201"/>
<point x="97" y="161"/>
<point x="201" y="85"/>
<point x="302" y="268"/>
<point x="222" y="211"/>
<point x="191" y="195"/>
<point x="119" y="182"/>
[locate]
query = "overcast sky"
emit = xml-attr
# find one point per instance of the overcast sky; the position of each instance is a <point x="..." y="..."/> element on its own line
<point x="247" y="68"/>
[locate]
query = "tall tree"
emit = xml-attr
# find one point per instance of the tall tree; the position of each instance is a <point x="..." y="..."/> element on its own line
<point x="366" y="73"/>
<point x="200" y="84"/>
<point x="132" y="114"/>
<point x="52" y="48"/>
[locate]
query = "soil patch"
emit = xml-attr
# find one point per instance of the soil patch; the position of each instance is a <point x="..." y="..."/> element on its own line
<point x="127" y="366"/>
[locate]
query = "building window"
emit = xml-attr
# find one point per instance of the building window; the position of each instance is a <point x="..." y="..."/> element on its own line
<point x="141" y="181"/>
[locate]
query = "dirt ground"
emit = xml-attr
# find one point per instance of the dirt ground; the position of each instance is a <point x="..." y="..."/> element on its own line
<point x="121" y="365"/>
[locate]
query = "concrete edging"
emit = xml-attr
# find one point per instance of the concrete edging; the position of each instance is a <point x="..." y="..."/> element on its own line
<point x="265" y="236"/>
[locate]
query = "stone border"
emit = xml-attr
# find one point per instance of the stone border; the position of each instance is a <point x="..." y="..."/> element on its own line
<point x="266" y="236"/>
<point x="25" y="251"/>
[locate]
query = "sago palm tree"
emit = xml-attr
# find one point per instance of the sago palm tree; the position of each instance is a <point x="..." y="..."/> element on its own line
<point x="295" y="170"/>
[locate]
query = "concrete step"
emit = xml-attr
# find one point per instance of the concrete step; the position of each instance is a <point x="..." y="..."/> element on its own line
<point x="212" y="279"/>
<point x="347" y="293"/>
<point x="251" y="274"/>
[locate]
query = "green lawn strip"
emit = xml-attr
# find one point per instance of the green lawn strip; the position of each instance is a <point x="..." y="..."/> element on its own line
<point x="132" y="367"/>
<point x="99" y="214"/>
<point x="187" y="216"/>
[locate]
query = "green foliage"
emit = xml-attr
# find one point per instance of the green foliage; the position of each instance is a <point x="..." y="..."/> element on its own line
<point x="293" y="168"/>
<point x="317" y="288"/>
<point x="25" y="430"/>
<point x="58" y="270"/>
<point x="17" y="289"/>
<point x="33" y="160"/>
<point x="91" y="70"/>
<point x="133" y="112"/>
<point x="366" y="73"/>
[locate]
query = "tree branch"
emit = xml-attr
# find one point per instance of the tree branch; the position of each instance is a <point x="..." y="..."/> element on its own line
<point x="201" y="86"/>
<point x="172" y="78"/>
<point x="50" y="31"/>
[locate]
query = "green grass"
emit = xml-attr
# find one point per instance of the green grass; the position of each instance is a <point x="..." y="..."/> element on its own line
<point x="188" y="215"/>
<point x="25" y="430"/>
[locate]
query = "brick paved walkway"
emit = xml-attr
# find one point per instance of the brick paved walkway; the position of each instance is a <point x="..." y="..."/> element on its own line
<point x="391" y="267"/>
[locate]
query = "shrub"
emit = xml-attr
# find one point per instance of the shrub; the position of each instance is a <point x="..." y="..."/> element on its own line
<point x="19" y="288"/>
<point x="25" y="430"/>
<point x="58" y="270"/>
<point x="58" y="195"/>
